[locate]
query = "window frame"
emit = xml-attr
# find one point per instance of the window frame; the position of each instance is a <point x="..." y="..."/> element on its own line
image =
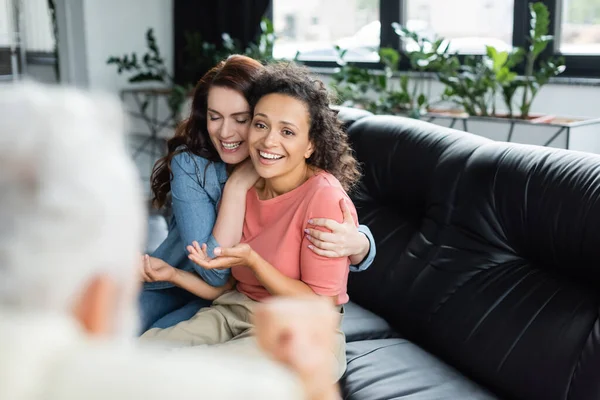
<point x="577" y="66"/>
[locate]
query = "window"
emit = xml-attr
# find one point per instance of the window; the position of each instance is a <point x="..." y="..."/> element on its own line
<point x="470" y="25"/>
<point x="580" y="27"/>
<point x="36" y="32"/>
<point x="38" y="26"/>
<point x="314" y="27"/>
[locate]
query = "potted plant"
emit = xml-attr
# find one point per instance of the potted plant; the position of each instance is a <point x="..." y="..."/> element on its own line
<point x="476" y="85"/>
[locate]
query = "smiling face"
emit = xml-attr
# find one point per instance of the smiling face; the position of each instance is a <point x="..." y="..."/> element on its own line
<point x="279" y="139"/>
<point x="227" y="120"/>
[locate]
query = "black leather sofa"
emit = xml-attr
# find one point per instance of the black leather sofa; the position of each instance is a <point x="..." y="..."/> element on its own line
<point x="486" y="283"/>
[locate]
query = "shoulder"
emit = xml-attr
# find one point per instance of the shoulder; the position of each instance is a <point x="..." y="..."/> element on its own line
<point x="325" y="186"/>
<point x="188" y="163"/>
<point x="325" y="195"/>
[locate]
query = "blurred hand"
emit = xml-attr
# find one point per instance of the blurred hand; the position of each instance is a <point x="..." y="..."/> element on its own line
<point x="300" y="333"/>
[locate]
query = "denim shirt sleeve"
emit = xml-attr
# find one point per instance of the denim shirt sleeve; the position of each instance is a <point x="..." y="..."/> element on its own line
<point x="368" y="260"/>
<point x="194" y="209"/>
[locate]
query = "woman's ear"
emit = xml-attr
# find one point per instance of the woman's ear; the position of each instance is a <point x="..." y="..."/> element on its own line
<point x="309" y="150"/>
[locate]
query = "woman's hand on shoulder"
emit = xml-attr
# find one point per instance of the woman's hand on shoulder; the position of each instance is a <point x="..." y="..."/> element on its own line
<point x="343" y="240"/>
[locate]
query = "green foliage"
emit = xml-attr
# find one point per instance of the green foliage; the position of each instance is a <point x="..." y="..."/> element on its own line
<point x="150" y="68"/>
<point x="262" y="50"/>
<point x="474" y="84"/>
<point x="202" y="56"/>
<point x="352" y="83"/>
<point x="468" y="85"/>
<point x="429" y="56"/>
<point x="538" y="41"/>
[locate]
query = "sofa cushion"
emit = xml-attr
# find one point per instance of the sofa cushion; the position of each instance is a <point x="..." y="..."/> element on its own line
<point x="386" y="369"/>
<point x="361" y="324"/>
<point x="512" y="295"/>
<point x="410" y="171"/>
<point x="349" y="115"/>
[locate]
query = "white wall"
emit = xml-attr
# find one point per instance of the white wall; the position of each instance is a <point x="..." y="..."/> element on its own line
<point x="117" y="27"/>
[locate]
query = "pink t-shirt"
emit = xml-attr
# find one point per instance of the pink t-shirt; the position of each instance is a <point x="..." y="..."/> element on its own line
<point x="274" y="228"/>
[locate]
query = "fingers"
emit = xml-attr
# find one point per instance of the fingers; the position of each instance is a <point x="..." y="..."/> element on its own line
<point x="346" y="211"/>
<point x="325" y="222"/>
<point x="324" y="253"/>
<point x="321" y="244"/>
<point x="218" y="263"/>
<point x="200" y="260"/>
<point x="230" y="251"/>
<point x="323" y="236"/>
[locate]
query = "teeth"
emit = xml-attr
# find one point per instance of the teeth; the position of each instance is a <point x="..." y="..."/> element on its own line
<point x="231" y="146"/>
<point x="269" y="155"/>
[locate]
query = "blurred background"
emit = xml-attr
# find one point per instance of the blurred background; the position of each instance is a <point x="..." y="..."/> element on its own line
<point x="150" y="53"/>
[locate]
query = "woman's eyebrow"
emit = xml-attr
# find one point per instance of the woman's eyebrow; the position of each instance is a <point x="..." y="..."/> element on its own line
<point x="234" y="114"/>
<point x="282" y="122"/>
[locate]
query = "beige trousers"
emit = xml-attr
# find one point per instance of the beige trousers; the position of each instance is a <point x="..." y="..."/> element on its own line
<point x="228" y="323"/>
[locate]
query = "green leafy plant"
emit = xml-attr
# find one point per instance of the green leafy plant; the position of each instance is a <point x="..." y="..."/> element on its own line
<point x="539" y="39"/>
<point x="151" y="68"/>
<point x="392" y="98"/>
<point x="500" y="64"/>
<point x="202" y="56"/>
<point x="429" y="56"/>
<point x="262" y="49"/>
<point x="468" y="85"/>
<point x="475" y="83"/>
<point x="351" y="83"/>
<point x="505" y="78"/>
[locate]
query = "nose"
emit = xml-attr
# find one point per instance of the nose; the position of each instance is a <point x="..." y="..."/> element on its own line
<point x="227" y="130"/>
<point x="271" y="139"/>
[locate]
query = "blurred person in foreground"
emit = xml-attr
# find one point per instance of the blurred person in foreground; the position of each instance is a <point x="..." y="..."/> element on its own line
<point x="71" y="227"/>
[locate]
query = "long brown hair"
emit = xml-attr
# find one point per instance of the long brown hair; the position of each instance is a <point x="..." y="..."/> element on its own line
<point x="237" y="72"/>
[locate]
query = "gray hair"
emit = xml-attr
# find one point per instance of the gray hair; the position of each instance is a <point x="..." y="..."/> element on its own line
<point x="71" y="203"/>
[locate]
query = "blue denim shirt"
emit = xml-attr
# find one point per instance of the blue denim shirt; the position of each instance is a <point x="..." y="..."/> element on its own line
<point x="196" y="188"/>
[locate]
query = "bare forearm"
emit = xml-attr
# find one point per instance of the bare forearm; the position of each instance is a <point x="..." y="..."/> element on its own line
<point x="230" y="220"/>
<point x="195" y="285"/>
<point x="357" y="258"/>
<point x="275" y="282"/>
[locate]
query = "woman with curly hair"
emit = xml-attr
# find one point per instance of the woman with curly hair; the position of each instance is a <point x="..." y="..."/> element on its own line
<point x="305" y="165"/>
<point x="207" y="170"/>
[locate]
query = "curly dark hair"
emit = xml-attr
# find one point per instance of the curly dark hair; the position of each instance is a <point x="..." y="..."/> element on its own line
<point x="237" y="72"/>
<point x="332" y="153"/>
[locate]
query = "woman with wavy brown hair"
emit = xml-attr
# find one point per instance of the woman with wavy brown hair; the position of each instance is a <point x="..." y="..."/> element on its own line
<point x="207" y="170"/>
<point x="305" y="166"/>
